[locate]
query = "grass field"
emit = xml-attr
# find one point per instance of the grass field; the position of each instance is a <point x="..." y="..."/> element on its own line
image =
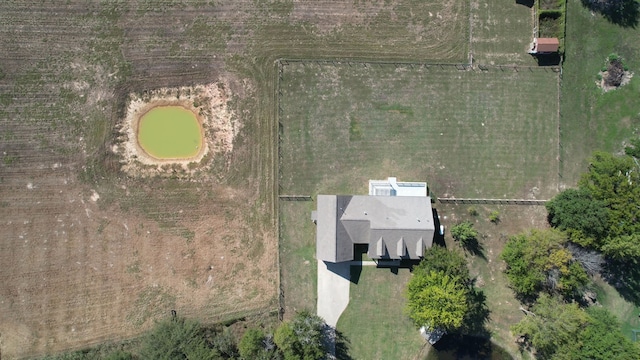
<point x="91" y="254"/>
<point x="501" y="33"/>
<point x="375" y="322"/>
<point x="592" y="119"/>
<point x="345" y="124"/>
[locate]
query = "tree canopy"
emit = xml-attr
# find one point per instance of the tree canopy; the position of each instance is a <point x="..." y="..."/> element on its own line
<point x="557" y="330"/>
<point x="575" y="210"/>
<point x="603" y="213"/>
<point x="440" y="293"/>
<point x="538" y="261"/>
<point x="302" y="337"/>
<point x="437" y="300"/>
<point x="179" y="339"/>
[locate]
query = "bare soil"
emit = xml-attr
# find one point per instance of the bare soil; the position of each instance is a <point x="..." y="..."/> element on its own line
<point x="208" y="102"/>
<point x="90" y="252"/>
<point x="626" y="78"/>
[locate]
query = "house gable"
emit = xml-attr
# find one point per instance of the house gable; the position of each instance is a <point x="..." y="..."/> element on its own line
<point x="393" y="227"/>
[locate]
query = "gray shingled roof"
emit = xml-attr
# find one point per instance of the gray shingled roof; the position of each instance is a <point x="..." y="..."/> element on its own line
<point x="393" y="227"/>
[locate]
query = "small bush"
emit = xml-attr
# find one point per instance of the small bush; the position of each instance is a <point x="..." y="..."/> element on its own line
<point x="472" y="211"/>
<point x="494" y="217"/>
<point x="464" y="232"/>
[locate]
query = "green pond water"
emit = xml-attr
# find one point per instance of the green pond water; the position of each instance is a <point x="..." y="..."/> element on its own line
<point x="170" y="132"/>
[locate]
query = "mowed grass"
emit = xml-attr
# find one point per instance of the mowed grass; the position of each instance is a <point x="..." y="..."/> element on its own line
<point x="592" y="119"/>
<point x="298" y="263"/>
<point x="490" y="134"/>
<point x="375" y="322"/>
<point x="170" y="132"/>
<point x="342" y="125"/>
<point x="501" y="33"/>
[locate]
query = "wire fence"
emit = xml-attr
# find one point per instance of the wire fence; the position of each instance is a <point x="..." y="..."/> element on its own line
<point x="413" y="65"/>
<point x="491" y="201"/>
<point x="281" y="65"/>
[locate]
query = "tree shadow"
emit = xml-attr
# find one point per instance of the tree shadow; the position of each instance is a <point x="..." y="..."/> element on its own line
<point x="474" y="247"/>
<point x="625" y="13"/>
<point x="625" y="278"/>
<point x="342" y="346"/>
<point x="527" y="3"/>
<point x="456" y="346"/>
<point x="477" y="317"/>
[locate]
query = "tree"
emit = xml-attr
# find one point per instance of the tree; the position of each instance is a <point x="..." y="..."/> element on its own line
<point x="439" y="259"/>
<point x="437" y="300"/>
<point x="634" y="149"/>
<point x="177" y="339"/>
<point x="551" y="325"/>
<point x="255" y="345"/>
<point x="464" y="232"/>
<point x="441" y="295"/>
<point x="302" y="337"/>
<point x="602" y="339"/>
<point x="575" y="210"/>
<point x="538" y="261"/>
<point x="564" y="331"/>
<point x="251" y="344"/>
<point x="615" y="181"/>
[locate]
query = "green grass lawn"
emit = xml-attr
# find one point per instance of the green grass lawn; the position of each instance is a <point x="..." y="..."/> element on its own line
<point x="297" y="256"/>
<point x="501" y="32"/>
<point x="590" y="118"/>
<point x="490" y="134"/>
<point x="374" y="321"/>
<point x="627" y="313"/>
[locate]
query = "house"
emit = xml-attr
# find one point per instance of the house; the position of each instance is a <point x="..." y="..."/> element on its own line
<point x="545" y="46"/>
<point x="393" y="227"/>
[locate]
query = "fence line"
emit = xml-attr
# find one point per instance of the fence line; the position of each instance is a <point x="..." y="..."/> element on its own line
<point x="413" y="65"/>
<point x="295" y="197"/>
<point x="492" y="201"/>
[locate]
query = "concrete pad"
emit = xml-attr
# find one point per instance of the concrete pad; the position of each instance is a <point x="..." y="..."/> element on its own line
<point x="333" y="290"/>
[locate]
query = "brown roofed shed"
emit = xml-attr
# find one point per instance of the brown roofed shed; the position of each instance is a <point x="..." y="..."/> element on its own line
<point x="547" y="45"/>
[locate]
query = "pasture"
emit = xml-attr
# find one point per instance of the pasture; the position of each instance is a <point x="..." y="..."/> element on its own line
<point x="345" y="123"/>
<point x="91" y="253"/>
<point x="468" y="133"/>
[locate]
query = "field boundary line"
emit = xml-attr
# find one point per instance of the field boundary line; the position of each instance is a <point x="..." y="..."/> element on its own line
<point x="470" y="32"/>
<point x="407" y="63"/>
<point x="462" y="201"/>
<point x="277" y="127"/>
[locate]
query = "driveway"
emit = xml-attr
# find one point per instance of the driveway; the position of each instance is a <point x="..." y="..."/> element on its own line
<point x="333" y="290"/>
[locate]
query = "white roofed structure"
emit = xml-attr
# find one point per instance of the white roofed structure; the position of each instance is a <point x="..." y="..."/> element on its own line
<point x="393" y="187"/>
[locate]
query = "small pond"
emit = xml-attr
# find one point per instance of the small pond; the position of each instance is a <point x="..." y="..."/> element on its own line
<point x="170" y="132"/>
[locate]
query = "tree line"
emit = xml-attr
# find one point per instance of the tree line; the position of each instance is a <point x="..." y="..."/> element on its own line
<point x="305" y="337"/>
<point x="594" y="232"/>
